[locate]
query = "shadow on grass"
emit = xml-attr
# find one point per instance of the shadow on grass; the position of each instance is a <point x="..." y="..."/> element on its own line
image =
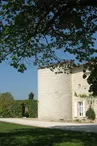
<point x="84" y="128"/>
<point x="45" y="137"/>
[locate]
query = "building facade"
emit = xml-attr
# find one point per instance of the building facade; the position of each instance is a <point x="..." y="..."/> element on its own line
<point x="63" y="96"/>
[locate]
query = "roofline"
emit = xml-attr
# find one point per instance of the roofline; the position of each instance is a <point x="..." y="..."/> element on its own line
<point x="58" y="64"/>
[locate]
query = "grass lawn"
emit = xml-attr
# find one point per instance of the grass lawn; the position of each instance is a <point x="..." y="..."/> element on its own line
<point x="18" y="135"/>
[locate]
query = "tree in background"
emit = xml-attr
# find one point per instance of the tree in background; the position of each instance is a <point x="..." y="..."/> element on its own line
<point x="6" y="101"/>
<point x="36" y="29"/>
<point x="31" y="95"/>
<point x="6" y="96"/>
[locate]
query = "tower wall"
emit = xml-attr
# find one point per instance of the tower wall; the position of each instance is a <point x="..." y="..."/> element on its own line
<point x="54" y="95"/>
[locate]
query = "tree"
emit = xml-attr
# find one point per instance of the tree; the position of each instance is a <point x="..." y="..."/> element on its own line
<point x="34" y="29"/>
<point x="6" y="96"/>
<point x="6" y="100"/>
<point x="31" y="95"/>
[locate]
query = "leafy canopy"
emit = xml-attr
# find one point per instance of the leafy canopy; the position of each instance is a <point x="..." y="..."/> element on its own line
<point x="36" y="29"/>
<point x="6" y="96"/>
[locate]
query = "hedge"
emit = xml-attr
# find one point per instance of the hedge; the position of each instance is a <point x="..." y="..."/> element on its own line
<point x="14" y="109"/>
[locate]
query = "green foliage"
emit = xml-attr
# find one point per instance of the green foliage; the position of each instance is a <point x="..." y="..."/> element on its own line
<point x="80" y="95"/>
<point x="31" y="95"/>
<point x="26" y="114"/>
<point x="75" y="94"/>
<point x="32" y="108"/>
<point x="11" y="110"/>
<point x="29" y="22"/>
<point x="90" y="114"/>
<point x="14" y="108"/>
<point x="6" y="101"/>
<point x="6" y="96"/>
<point x="92" y="78"/>
<point x="83" y="95"/>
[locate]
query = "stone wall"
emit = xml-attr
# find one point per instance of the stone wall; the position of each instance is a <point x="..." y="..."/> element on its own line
<point x="80" y="89"/>
<point x="59" y="94"/>
<point x="54" y="95"/>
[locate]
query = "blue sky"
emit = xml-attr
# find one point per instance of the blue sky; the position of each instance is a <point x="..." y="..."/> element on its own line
<point x="19" y="84"/>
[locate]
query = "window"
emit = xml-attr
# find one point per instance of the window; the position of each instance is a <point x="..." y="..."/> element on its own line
<point x="80" y="108"/>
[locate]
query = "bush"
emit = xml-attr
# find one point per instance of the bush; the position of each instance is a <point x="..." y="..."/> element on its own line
<point x="90" y="114"/>
<point x="5" y="109"/>
<point x="15" y="109"/>
<point x="32" y="108"/>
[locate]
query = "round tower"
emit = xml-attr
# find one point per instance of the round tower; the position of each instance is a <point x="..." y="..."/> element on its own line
<point x="54" y="95"/>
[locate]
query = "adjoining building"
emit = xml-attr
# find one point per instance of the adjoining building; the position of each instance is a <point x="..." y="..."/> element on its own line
<point x="63" y="95"/>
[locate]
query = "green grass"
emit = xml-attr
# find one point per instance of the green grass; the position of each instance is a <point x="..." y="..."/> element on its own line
<point x="18" y="135"/>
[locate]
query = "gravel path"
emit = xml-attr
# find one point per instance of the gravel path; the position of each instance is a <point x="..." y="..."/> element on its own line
<point x="88" y="127"/>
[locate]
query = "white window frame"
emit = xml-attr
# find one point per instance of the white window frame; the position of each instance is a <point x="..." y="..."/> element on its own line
<point x="79" y="109"/>
<point x="81" y="106"/>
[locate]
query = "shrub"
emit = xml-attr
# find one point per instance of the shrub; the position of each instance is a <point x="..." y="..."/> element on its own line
<point x="90" y="114"/>
<point x="32" y="106"/>
<point x="5" y="109"/>
<point x="15" y="109"/>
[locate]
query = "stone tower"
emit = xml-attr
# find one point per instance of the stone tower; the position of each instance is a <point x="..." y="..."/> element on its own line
<point x="54" y="95"/>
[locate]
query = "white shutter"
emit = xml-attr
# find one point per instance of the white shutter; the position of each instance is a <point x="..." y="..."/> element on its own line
<point x="75" y="109"/>
<point x="84" y="113"/>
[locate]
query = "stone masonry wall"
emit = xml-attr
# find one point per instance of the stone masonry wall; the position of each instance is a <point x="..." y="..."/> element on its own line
<point x="54" y="95"/>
